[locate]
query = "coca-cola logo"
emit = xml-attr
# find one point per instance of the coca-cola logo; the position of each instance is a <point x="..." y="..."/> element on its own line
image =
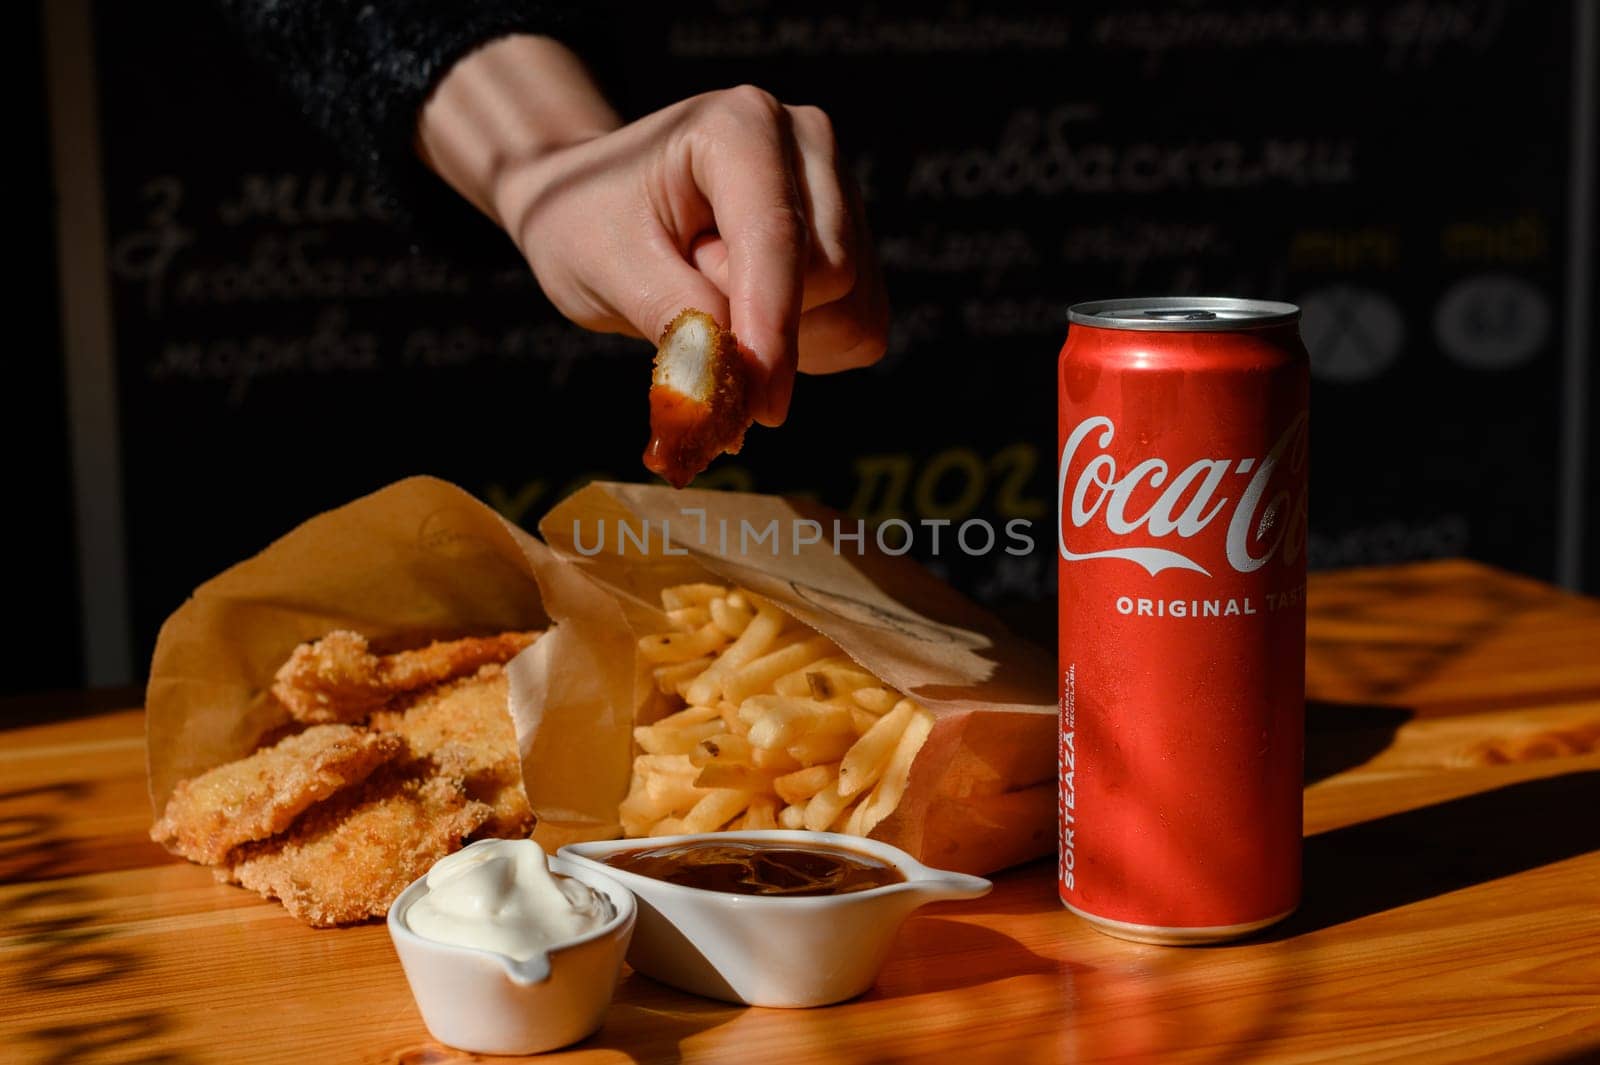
<point x="1265" y="514"/>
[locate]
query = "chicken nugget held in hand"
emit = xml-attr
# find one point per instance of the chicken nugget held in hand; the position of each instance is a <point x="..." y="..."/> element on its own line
<point x="699" y="398"/>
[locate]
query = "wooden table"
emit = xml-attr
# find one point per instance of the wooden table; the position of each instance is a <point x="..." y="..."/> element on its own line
<point x="1452" y="909"/>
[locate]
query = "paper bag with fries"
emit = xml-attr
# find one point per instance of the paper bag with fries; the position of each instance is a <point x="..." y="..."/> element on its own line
<point x="774" y="681"/>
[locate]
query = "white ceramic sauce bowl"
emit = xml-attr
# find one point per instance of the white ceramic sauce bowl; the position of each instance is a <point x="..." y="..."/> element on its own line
<point x="489" y="1003"/>
<point x="772" y="950"/>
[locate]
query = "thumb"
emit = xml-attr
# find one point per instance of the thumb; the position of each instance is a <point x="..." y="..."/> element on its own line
<point x="665" y="288"/>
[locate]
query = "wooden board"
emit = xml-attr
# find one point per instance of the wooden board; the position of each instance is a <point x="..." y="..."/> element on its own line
<point x="1452" y="911"/>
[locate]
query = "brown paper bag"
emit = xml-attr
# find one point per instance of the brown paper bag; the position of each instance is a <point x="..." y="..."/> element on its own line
<point x="982" y="790"/>
<point x="423" y="558"/>
<point x="418" y="559"/>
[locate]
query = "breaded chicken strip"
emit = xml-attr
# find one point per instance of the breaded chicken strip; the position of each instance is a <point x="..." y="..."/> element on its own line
<point x="260" y="795"/>
<point x="699" y="403"/>
<point x="471" y="716"/>
<point x="347" y="859"/>
<point x="338" y="678"/>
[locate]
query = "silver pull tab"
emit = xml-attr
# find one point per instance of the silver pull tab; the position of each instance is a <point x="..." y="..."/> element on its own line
<point x="1182" y="316"/>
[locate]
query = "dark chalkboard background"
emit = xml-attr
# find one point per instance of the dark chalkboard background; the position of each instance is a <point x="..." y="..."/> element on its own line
<point x="37" y="536"/>
<point x="1400" y="170"/>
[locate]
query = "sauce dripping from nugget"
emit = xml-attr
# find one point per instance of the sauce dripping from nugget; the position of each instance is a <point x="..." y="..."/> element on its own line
<point x="747" y="868"/>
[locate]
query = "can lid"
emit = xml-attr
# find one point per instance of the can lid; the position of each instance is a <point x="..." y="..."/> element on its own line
<point x="1183" y="314"/>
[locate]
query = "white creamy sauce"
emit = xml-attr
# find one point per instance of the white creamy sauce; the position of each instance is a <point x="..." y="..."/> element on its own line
<point x="500" y="895"/>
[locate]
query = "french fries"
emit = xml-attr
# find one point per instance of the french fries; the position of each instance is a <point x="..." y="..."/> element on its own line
<point x="779" y="727"/>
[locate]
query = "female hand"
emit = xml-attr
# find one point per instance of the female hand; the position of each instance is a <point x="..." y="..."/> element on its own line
<point x="730" y="202"/>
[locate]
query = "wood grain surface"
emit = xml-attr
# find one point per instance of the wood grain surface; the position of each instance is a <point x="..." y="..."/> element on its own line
<point x="1452" y="909"/>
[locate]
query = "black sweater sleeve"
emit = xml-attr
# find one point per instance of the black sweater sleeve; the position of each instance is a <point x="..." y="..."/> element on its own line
<point x="361" y="69"/>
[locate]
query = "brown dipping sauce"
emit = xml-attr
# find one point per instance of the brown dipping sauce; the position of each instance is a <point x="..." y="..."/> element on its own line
<point x="676" y="452"/>
<point x="745" y="868"/>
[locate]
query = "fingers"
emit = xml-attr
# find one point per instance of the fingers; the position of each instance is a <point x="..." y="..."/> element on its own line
<point x="709" y="253"/>
<point x="844" y="323"/>
<point x="664" y="285"/>
<point x="830" y="270"/>
<point x="844" y="334"/>
<point x="832" y="247"/>
<point x="853" y="330"/>
<point x="746" y="170"/>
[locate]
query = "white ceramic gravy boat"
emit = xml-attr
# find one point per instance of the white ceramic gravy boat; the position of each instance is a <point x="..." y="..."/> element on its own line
<point x="771" y="950"/>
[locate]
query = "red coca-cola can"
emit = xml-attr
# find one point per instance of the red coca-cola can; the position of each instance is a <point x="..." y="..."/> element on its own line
<point x="1182" y="535"/>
